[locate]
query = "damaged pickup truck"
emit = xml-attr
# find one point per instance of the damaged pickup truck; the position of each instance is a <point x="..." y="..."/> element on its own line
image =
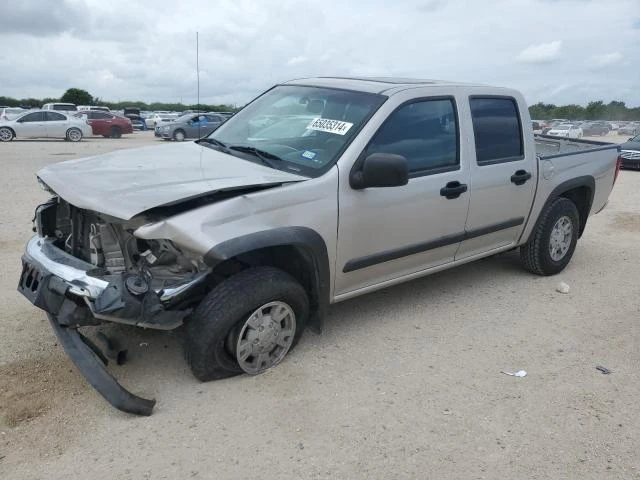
<point x="318" y="191"/>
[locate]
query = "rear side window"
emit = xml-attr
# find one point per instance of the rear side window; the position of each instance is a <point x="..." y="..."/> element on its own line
<point x="497" y="129"/>
<point x="64" y="107"/>
<point x="53" y="116"/>
<point x="100" y="115"/>
<point x="425" y="132"/>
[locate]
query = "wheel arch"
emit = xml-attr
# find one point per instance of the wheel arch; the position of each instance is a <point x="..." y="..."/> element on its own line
<point x="580" y="191"/>
<point x="299" y="251"/>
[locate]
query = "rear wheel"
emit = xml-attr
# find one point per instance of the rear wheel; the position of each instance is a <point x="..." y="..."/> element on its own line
<point x="248" y="324"/>
<point x="74" y="135"/>
<point x="6" y="134"/>
<point x="116" y="132"/>
<point x="553" y="242"/>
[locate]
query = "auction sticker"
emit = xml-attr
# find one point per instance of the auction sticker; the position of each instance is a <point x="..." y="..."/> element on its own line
<point x="331" y="126"/>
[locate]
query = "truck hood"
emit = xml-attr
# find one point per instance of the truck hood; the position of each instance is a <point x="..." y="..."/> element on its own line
<point x="126" y="183"/>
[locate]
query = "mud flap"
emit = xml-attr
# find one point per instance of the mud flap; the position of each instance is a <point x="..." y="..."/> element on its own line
<point x="93" y="369"/>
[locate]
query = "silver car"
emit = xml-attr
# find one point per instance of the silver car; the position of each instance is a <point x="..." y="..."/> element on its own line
<point x="44" y="124"/>
<point x="192" y="125"/>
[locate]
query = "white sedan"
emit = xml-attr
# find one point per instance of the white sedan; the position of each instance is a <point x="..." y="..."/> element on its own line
<point x="566" y="130"/>
<point x="44" y="124"/>
<point x="158" y="118"/>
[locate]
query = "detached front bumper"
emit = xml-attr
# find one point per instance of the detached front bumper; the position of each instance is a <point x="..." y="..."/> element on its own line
<point x="65" y="287"/>
<point x="93" y="368"/>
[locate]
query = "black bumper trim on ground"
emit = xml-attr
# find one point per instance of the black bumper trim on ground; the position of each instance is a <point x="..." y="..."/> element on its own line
<point x="96" y="374"/>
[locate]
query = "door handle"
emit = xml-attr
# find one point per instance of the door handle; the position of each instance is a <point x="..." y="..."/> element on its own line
<point x="520" y="177"/>
<point x="453" y="190"/>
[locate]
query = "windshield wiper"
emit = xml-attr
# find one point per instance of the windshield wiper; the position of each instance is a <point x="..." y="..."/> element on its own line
<point x="213" y="141"/>
<point x="263" y="155"/>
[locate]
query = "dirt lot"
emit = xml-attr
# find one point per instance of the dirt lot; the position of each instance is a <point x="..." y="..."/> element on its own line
<point x="404" y="383"/>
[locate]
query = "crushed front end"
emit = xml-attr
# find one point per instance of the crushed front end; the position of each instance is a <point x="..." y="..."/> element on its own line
<point x="84" y="268"/>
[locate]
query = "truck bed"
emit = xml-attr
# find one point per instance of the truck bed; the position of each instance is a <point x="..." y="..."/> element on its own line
<point x="548" y="147"/>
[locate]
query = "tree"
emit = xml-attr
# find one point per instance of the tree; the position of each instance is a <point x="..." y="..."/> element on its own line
<point x="595" y="110"/>
<point x="77" y="96"/>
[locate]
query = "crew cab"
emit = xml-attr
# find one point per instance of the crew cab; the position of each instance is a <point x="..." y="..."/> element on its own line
<point x="247" y="236"/>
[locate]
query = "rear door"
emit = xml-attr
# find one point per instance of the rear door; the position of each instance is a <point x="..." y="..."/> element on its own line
<point x="503" y="178"/>
<point x="32" y="125"/>
<point x="57" y="124"/>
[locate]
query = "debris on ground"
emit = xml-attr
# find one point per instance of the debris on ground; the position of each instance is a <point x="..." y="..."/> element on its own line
<point x="604" y="370"/>
<point x="519" y="373"/>
<point x="563" y="288"/>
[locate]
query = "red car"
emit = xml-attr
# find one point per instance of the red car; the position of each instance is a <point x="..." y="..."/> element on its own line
<point x="106" y="124"/>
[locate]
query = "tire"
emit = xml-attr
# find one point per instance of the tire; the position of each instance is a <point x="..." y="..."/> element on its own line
<point x="105" y="136"/>
<point x="536" y="254"/>
<point x="6" y="134"/>
<point x="74" y="135"/>
<point x="116" y="132"/>
<point x="220" y="323"/>
<point x="179" y="135"/>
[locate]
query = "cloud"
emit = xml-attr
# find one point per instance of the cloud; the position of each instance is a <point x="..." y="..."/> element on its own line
<point x="297" y="60"/>
<point x="541" y="53"/>
<point x="31" y="17"/>
<point x="605" y="59"/>
<point x="145" y="49"/>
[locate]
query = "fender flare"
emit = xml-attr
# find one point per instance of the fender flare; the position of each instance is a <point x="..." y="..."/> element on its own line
<point x="584" y="181"/>
<point x="309" y="242"/>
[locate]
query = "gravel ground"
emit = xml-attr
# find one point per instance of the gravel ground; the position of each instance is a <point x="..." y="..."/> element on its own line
<point x="404" y="383"/>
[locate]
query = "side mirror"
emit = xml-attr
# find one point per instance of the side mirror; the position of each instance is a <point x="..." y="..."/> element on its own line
<point x="381" y="170"/>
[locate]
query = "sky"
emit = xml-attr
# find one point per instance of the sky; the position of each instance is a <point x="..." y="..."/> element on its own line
<point x="554" y="51"/>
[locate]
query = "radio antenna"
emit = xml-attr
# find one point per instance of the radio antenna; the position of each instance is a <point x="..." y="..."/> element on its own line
<point x="198" y="78"/>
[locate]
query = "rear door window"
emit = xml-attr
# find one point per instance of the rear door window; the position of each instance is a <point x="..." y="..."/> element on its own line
<point x="54" y="117"/>
<point x="497" y="129"/>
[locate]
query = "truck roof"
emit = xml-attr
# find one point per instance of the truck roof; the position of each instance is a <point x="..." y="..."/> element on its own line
<point x="380" y="85"/>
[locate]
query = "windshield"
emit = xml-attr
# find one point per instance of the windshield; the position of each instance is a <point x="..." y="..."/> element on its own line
<point x="562" y="127"/>
<point x="307" y="128"/>
<point x="635" y="139"/>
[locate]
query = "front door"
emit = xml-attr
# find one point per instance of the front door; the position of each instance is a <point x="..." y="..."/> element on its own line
<point x="504" y="178"/>
<point x="32" y="125"/>
<point x="389" y="233"/>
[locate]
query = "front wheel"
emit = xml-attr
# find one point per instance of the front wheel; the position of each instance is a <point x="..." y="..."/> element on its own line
<point x="74" y="135"/>
<point x="554" y="239"/>
<point x="6" y="134"/>
<point x="248" y="323"/>
<point x="179" y="135"/>
<point x="116" y="132"/>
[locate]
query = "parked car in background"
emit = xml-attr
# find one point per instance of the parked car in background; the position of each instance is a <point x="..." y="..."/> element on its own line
<point x="630" y="153"/>
<point x="567" y="130"/>
<point x="60" y="107"/>
<point x="44" y="124"/>
<point x="537" y="126"/>
<point x="137" y="121"/>
<point x="9" y="113"/>
<point x="189" y="126"/>
<point x="131" y="111"/>
<point x="595" y="128"/>
<point x="82" y="108"/>
<point x="632" y="129"/>
<point x="614" y="125"/>
<point x="106" y="124"/>
<point x="158" y="118"/>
